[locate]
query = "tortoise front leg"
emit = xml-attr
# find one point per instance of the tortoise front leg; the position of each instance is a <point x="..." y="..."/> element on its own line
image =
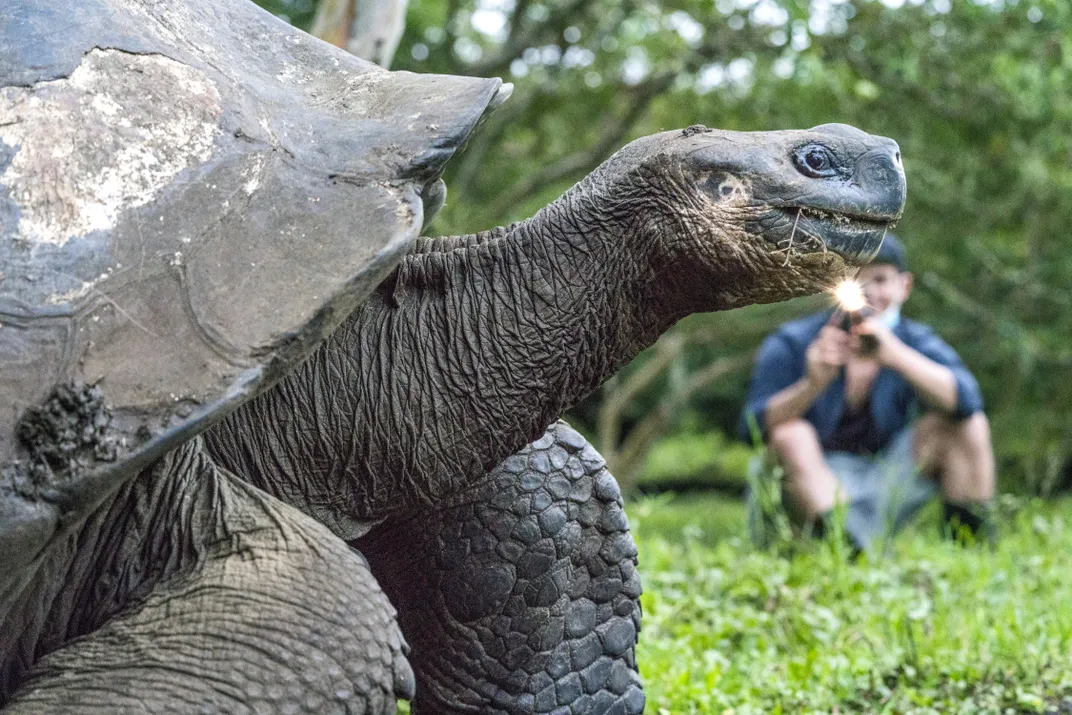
<point x="520" y="595"/>
<point x="270" y="614"/>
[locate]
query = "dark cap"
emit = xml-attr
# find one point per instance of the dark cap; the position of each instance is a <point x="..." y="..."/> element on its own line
<point x="892" y="252"/>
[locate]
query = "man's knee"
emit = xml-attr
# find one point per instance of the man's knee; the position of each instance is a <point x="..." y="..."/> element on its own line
<point x="958" y="453"/>
<point x="790" y="438"/>
<point x="938" y="434"/>
<point x="974" y="431"/>
<point x="810" y="486"/>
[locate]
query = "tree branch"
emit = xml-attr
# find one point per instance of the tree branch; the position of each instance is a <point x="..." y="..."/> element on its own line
<point x="608" y="421"/>
<point x="376" y="28"/>
<point x="581" y="162"/>
<point x="450" y="36"/>
<point x="370" y="29"/>
<point x="517" y="18"/>
<point x="627" y="460"/>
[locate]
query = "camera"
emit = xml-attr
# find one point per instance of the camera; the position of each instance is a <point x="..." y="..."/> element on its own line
<point x="849" y="318"/>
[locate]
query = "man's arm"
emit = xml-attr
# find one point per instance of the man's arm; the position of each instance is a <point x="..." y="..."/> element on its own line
<point x="935" y="383"/>
<point x="824" y="358"/>
<point x="792" y="402"/>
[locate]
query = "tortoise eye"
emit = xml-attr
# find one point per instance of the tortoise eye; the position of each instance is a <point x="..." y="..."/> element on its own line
<point x="816" y="161"/>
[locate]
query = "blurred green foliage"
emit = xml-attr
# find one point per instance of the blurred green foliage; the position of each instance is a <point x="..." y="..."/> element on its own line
<point x="297" y="12"/>
<point x="687" y="460"/>
<point x="977" y="92"/>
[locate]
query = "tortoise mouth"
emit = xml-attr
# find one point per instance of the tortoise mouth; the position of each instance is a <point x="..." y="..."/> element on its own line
<point x="806" y="230"/>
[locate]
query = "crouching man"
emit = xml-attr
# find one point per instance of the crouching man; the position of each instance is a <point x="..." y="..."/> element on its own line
<point x="879" y="423"/>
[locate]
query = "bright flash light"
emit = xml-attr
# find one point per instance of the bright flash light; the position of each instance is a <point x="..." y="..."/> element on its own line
<point x="850" y="295"/>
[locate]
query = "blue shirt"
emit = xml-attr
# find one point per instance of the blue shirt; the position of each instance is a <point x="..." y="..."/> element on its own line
<point x="780" y="363"/>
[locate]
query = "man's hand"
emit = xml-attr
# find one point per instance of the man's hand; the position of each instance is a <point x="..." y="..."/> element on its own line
<point x="826" y="355"/>
<point x="823" y="360"/>
<point x="887" y="344"/>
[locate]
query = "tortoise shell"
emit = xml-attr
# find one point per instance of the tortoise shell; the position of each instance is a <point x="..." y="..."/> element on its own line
<point x="192" y="195"/>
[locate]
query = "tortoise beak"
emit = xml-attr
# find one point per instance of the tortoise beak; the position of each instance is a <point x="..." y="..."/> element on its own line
<point x="856" y="240"/>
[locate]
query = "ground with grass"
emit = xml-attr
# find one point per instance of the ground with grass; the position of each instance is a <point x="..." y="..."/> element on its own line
<point x="924" y="626"/>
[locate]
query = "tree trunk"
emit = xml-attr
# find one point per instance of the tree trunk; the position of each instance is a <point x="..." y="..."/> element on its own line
<point x="370" y="29"/>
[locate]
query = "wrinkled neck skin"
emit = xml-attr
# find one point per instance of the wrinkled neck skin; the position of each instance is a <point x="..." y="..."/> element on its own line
<point x="464" y="355"/>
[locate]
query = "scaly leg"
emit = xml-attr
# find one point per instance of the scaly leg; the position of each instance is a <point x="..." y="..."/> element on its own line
<point x="520" y="595"/>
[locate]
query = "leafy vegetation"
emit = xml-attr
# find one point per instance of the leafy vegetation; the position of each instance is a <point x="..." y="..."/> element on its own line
<point x="927" y="627"/>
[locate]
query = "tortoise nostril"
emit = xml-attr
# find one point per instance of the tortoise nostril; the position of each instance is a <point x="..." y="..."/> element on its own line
<point x="897" y="157"/>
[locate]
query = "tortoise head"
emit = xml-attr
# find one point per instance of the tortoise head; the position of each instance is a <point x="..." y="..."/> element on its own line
<point x="736" y="218"/>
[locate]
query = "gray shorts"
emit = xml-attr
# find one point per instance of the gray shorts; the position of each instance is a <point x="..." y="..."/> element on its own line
<point x="883" y="492"/>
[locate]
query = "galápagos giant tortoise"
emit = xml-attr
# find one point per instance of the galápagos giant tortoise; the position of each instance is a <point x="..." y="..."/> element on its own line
<point x="240" y="397"/>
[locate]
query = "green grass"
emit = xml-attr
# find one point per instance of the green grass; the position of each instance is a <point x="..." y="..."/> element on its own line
<point x="929" y="627"/>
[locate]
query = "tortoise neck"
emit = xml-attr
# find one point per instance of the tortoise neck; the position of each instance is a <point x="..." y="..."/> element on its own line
<point x="513" y="326"/>
<point x="561" y="300"/>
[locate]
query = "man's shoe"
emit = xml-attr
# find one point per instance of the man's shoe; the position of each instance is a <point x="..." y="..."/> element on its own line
<point x="969" y="522"/>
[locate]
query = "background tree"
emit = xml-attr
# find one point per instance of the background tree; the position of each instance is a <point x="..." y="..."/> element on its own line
<point x="370" y="29"/>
